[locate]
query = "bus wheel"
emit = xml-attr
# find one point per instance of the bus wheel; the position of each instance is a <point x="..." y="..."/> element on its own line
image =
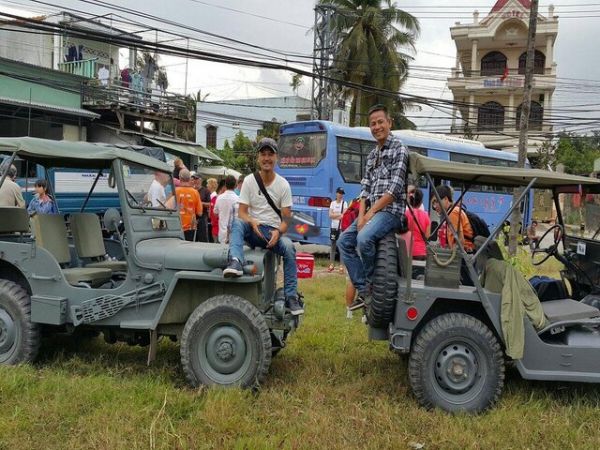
<point x="380" y="312"/>
<point x="456" y="364"/>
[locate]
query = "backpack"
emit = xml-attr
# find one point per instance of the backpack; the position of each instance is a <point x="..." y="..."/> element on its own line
<point x="350" y="214"/>
<point x="478" y="225"/>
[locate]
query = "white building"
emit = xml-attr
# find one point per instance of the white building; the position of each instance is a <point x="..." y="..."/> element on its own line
<point x="217" y="122"/>
<point x="488" y="80"/>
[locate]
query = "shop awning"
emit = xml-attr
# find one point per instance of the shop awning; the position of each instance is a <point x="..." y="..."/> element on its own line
<point x="69" y="111"/>
<point x="187" y="148"/>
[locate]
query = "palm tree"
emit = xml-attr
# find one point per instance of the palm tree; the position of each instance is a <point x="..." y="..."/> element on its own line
<point x="371" y="37"/>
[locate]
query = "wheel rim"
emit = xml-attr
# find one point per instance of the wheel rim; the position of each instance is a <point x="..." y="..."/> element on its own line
<point x="224" y="353"/>
<point x="459" y="370"/>
<point x="8" y="335"/>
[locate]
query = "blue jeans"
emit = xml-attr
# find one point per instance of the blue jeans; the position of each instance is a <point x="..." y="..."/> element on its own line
<point x="242" y="232"/>
<point x="352" y="242"/>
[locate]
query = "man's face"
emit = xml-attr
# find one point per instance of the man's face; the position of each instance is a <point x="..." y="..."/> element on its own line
<point x="436" y="205"/>
<point x="380" y="126"/>
<point x="299" y="145"/>
<point x="267" y="159"/>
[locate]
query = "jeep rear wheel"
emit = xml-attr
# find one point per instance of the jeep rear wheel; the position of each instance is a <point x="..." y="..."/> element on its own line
<point x="226" y="342"/>
<point x="456" y="364"/>
<point x="380" y="312"/>
<point x="19" y="338"/>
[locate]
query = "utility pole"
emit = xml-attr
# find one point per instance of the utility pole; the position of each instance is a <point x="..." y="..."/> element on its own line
<point x="322" y="53"/>
<point x="524" y="121"/>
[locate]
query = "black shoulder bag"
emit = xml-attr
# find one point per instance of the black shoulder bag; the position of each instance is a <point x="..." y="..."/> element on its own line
<point x="262" y="188"/>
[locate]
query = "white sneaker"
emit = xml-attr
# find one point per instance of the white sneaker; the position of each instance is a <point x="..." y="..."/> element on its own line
<point x="348" y="313"/>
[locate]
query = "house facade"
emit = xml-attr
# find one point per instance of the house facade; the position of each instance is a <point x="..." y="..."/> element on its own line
<point x="488" y="79"/>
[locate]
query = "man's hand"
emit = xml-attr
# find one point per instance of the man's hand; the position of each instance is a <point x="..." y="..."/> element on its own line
<point x="255" y="227"/>
<point x="275" y="235"/>
<point x="364" y="219"/>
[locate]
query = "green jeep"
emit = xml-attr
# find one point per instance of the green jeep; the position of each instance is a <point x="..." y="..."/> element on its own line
<point x="144" y="282"/>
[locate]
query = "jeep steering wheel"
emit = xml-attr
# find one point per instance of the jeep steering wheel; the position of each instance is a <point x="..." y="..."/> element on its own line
<point x="558" y="231"/>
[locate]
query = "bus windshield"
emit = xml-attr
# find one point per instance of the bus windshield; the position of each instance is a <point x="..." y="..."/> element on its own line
<point x="302" y="150"/>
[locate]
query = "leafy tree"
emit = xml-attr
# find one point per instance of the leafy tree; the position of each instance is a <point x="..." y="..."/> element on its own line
<point x="269" y="129"/>
<point x="296" y="82"/>
<point x="577" y="153"/>
<point x="370" y="36"/>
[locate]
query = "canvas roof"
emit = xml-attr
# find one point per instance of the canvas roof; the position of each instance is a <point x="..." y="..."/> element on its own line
<point x="493" y="175"/>
<point x="93" y="155"/>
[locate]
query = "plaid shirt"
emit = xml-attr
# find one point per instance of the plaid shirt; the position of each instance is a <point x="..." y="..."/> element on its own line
<point x="386" y="172"/>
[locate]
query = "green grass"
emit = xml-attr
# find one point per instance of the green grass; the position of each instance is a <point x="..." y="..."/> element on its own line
<point x="330" y="388"/>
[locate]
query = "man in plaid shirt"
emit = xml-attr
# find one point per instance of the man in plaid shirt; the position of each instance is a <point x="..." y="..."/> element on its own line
<point x="382" y="204"/>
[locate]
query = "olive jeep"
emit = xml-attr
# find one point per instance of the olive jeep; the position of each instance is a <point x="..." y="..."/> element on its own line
<point x="146" y="282"/>
<point x="455" y="335"/>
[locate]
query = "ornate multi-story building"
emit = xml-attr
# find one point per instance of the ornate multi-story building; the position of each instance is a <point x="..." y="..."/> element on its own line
<point x="488" y="80"/>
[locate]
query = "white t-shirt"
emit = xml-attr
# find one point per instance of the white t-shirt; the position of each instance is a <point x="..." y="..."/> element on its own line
<point x="225" y="208"/>
<point x="336" y="208"/>
<point x="279" y="191"/>
<point x="156" y="193"/>
<point x="103" y="75"/>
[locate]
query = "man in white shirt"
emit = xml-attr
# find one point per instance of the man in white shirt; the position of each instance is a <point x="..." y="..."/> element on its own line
<point x="156" y="194"/>
<point x="260" y="225"/>
<point x="225" y="207"/>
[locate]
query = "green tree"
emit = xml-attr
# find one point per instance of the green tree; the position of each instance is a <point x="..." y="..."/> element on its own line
<point x="372" y="36"/>
<point x="578" y="152"/>
<point x="296" y="82"/>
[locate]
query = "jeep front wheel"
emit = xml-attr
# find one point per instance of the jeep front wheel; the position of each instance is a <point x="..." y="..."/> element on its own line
<point x="226" y="342"/>
<point x="456" y="364"/>
<point x="19" y="338"/>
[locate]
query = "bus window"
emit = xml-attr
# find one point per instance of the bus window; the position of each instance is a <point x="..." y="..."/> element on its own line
<point x="302" y="150"/>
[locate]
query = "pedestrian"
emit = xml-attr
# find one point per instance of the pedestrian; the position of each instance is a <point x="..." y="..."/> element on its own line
<point x="265" y="209"/>
<point x="238" y="187"/>
<point x="225" y="209"/>
<point x="157" y="196"/>
<point x="202" y="227"/>
<point x="336" y="210"/>
<point x="190" y="206"/>
<point x="419" y="224"/>
<point x="178" y="166"/>
<point x="458" y="219"/>
<point x="211" y="185"/>
<point x="382" y="204"/>
<point x="10" y="192"/>
<point x="214" y="218"/>
<point x="532" y="236"/>
<point x="42" y="203"/>
<point x="460" y="223"/>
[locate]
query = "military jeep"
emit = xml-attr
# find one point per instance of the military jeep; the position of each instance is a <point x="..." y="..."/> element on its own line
<point x="142" y="282"/>
<point x="454" y="333"/>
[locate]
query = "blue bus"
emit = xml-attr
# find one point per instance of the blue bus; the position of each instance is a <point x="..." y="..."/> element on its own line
<point x="317" y="156"/>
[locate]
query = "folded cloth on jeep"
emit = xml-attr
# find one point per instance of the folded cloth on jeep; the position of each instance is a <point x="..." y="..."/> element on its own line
<point x="518" y="299"/>
<point x="172" y="253"/>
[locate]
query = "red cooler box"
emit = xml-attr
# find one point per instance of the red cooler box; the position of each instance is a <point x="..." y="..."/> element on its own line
<point x="305" y="263"/>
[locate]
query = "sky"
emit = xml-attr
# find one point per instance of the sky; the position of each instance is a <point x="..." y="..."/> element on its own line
<point x="285" y="25"/>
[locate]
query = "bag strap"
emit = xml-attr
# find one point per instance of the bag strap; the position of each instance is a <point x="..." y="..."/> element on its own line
<point x="263" y="189"/>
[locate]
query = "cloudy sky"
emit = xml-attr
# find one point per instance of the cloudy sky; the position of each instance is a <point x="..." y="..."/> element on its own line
<point x="285" y="26"/>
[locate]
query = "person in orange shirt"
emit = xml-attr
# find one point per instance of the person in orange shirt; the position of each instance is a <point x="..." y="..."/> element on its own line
<point x="190" y="206"/>
<point x="458" y="219"/>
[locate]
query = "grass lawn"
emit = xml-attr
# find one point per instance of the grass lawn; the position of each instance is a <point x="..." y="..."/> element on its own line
<point x="330" y="388"/>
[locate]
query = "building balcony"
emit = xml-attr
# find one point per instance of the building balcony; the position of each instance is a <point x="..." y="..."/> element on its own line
<point x="145" y="102"/>
<point x="511" y="130"/>
<point x="473" y="81"/>
<point x="85" y="68"/>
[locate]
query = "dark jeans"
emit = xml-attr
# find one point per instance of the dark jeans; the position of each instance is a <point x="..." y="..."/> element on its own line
<point x="202" y="234"/>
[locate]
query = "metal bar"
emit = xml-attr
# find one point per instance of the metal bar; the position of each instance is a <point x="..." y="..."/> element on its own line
<point x="91" y="190"/>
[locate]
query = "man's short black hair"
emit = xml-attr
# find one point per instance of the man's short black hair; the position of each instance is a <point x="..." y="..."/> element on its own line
<point x="444" y="192"/>
<point x="378" y="107"/>
<point x="230" y="182"/>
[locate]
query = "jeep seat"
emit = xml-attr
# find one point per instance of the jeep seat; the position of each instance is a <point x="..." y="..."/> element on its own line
<point x="51" y="233"/>
<point x="567" y="309"/>
<point x="14" y="220"/>
<point x="87" y="235"/>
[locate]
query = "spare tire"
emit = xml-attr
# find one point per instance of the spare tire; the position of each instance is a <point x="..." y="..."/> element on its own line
<point x="384" y="283"/>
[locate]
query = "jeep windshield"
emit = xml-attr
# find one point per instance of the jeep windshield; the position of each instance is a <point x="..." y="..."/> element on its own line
<point x="147" y="188"/>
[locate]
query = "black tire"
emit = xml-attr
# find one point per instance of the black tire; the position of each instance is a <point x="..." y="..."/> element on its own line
<point x="239" y="332"/>
<point x="456" y="342"/>
<point x="19" y="338"/>
<point x="380" y="311"/>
